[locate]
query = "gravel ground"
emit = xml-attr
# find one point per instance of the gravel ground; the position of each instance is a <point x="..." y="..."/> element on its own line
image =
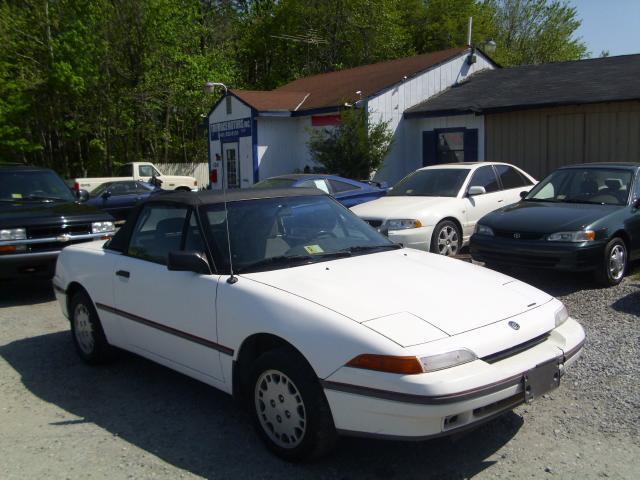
<point x="134" y="419"/>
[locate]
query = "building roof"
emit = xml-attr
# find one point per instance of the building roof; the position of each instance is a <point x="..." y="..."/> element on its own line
<point x="333" y="89"/>
<point x="532" y="86"/>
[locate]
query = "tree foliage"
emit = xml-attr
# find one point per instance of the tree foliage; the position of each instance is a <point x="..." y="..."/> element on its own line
<point x="353" y="148"/>
<point x="88" y="84"/>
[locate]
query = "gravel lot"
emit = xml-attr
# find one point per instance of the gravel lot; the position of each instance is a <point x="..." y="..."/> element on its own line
<point x="134" y="419"/>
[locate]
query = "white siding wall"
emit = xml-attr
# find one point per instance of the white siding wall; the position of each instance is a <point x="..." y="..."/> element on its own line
<point x="390" y="104"/>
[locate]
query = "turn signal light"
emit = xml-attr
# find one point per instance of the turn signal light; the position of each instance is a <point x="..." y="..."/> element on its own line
<point x="385" y="363"/>
<point x="8" y="248"/>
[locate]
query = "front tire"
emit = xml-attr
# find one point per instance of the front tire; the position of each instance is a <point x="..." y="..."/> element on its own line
<point x="86" y="330"/>
<point x="614" y="265"/>
<point x="289" y="409"/>
<point x="446" y="239"/>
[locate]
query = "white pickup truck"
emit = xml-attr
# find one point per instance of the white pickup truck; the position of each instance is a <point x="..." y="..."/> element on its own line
<point x="137" y="171"/>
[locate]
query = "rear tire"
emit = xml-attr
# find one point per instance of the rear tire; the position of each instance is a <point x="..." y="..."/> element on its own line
<point x="446" y="239"/>
<point x="614" y="264"/>
<point x="288" y="406"/>
<point x="86" y="330"/>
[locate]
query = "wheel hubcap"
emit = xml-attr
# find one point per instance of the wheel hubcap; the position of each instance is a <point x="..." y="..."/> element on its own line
<point x="280" y="409"/>
<point x="83" y="329"/>
<point x="617" y="262"/>
<point x="448" y="241"/>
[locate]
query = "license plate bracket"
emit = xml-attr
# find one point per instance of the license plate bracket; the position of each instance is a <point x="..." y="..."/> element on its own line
<point x="541" y="379"/>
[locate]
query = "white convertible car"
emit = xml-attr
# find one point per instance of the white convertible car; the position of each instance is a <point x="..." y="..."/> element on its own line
<point x="320" y="324"/>
<point x="436" y="208"/>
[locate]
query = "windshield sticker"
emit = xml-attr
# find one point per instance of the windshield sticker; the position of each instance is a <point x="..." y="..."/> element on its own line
<point x="313" y="249"/>
<point x="16" y="195"/>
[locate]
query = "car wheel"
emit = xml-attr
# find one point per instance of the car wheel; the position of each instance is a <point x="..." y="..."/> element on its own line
<point x="446" y="239"/>
<point x="289" y="408"/>
<point x="612" y="270"/>
<point x="86" y="330"/>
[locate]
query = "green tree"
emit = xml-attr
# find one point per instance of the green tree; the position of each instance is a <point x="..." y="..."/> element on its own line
<point x="352" y="149"/>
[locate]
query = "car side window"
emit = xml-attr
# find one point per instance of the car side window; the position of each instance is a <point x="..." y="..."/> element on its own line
<point x="485" y="177"/>
<point x="637" y="191"/>
<point x="158" y="231"/>
<point x="510" y="177"/>
<point x="340" y="187"/>
<point x="145" y="170"/>
<point x="193" y="241"/>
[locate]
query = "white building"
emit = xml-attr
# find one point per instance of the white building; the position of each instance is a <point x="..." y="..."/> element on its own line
<point x="258" y="134"/>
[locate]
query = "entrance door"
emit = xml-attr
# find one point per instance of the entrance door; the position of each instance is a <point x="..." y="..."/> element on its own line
<point x="231" y="165"/>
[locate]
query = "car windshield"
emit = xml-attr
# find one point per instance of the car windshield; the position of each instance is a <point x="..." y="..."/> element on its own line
<point x="440" y="182"/>
<point x="275" y="183"/>
<point x="274" y="233"/>
<point x="36" y="185"/>
<point x="604" y="186"/>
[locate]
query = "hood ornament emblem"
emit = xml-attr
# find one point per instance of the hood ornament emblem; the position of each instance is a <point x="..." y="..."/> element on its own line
<point x="516" y="235"/>
<point x="514" y="325"/>
<point x="65" y="237"/>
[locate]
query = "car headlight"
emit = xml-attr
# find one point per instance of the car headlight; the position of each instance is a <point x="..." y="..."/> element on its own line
<point x="484" y="230"/>
<point x="13" y="234"/>
<point x="403" y="224"/>
<point x="580" y="236"/>
<point x="102" y="227"/>
<point x="441" y="361"/>
<point x="561" y="316"/>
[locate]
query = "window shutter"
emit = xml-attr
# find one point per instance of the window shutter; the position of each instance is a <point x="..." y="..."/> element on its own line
<point x="429" y="148"/>
<point x="471" y="145"/>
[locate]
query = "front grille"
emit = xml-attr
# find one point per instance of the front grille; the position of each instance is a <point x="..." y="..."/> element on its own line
<point x="518" y="235"/>
<point x="52" y="231"/>
<point x="374" y="223"/>
<point x="515" y="260"/>
<point x="510" y="352"/>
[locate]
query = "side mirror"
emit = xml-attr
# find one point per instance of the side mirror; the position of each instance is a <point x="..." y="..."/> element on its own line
<point x="476" y="190"/>
<point x="82" y="195"/>
<point x="188" y="262"/>
<point x="106" y="194"/>
<point x="524" y="194"/>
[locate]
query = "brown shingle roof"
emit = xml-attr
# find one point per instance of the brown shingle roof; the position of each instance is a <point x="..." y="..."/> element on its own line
<point x="334" y="88"/>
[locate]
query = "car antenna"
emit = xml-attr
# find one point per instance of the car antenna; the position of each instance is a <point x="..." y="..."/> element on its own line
<point x="209" y="87"/>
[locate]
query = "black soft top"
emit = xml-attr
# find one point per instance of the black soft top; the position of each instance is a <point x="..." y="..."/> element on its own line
<point x="194" y="199"/>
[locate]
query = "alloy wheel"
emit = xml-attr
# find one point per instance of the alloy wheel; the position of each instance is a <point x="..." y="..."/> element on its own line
<point x="448" y="241"/>
<point x="617" y="262"/>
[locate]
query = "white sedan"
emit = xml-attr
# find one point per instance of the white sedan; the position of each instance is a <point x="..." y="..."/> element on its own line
<point x="315" y="321"/>
<point x="436" y="208"/>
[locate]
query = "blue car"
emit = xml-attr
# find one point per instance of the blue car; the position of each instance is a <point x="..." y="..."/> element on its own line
<point x="347" y="192"/>
<point x="118" y="198"/>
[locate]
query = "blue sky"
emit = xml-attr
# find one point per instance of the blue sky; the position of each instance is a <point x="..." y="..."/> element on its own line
<point x="612" y="25"/>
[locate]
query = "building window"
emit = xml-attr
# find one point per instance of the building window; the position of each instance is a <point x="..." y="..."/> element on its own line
<point x="228" y="103"/>
<point x="451" y="147"/>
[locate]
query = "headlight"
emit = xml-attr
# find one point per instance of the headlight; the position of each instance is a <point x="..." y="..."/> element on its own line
<point x="102" y="227"/>
<point x="403" y="224"/>
<point x="447" y="360"/>
<point x="561" y="316"/>
<point x="13" y="234"/>
<point x="581" y="236"/>
<point x="484" y="230"/>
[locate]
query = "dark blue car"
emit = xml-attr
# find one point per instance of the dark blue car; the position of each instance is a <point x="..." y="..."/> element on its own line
<point x="346" y="191"/>
<point x="118" y="198"/>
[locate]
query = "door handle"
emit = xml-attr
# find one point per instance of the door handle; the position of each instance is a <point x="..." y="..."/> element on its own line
<point x="123" y="273"/>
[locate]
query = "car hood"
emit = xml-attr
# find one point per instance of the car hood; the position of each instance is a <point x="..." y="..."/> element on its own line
<point x="24" y="214"/>
<point x="546" y="217"/>
<point x="398" y="207"/>
<point x="451" y="295"/>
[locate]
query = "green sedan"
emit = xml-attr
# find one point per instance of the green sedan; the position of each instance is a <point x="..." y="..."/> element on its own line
<point x="579" y="218"/>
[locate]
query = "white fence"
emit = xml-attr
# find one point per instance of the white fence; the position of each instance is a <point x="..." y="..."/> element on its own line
<point x="198" y="170"/>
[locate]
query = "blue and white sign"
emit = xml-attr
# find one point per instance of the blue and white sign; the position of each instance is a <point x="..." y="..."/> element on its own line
<point x="231" y="129"/>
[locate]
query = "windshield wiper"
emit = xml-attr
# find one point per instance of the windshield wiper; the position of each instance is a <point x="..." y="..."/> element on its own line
<point x="540" y="200"/>
<point x="370" y="248"/>
<point x="575" y="200"/>
<point x="273" y="261"/>
<point x="44" y="198"/>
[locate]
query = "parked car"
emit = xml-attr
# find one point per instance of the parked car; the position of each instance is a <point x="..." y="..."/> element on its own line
<point x="39" y="216"/>
<point x="285" y="314"/>
<point x="118" y="198"/>
<point x="144" y="171"/>
<point x="347" y="192"/>
<point x="579" y="218"/>
<point x="436" y="208"/>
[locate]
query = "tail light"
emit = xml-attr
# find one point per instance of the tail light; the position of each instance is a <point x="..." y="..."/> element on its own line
<point x="213" y="176"/>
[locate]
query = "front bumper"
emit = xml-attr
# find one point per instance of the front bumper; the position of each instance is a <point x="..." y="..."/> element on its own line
<point x="536" y="253"/>
<point x="432" y="404"/>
